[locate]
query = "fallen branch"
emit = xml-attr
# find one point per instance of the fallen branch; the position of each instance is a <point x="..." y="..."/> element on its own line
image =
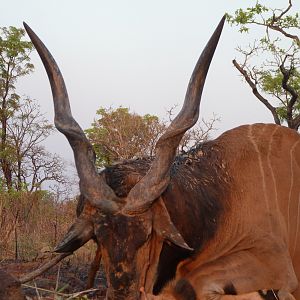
<point x="44" y="267"/>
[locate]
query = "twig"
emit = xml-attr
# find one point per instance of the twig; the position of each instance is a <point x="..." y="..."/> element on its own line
<point x="276" y="18"/>
<point x="37" y="291"/>
<point x="57" y="277"/>
<point x="70" y="296"/>
<point x="82" y="293"/>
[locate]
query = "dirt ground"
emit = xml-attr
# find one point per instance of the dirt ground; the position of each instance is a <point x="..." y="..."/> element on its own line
<point x="66" y="279"/>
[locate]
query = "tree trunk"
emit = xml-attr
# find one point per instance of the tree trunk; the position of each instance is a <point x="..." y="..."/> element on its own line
<point x="5" y="164"/>
<point x="16" y="241"/>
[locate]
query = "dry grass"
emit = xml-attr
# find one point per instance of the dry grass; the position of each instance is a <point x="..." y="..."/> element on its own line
<point x="30" y="226"/>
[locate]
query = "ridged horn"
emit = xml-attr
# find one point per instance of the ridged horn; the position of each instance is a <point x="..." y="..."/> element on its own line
<point x="92" y="186"/>
<point x="152" y="185"/>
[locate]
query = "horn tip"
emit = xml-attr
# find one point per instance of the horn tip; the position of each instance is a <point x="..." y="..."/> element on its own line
<point x="222" y="21"/>
<point x="28" y="29"/>
<point x="25" y="25"/>
<point x="59" y="248"/>
<point x="67" y="247"/>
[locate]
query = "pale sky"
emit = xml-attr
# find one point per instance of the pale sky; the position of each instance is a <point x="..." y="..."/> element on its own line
<point x="138" y="54"/>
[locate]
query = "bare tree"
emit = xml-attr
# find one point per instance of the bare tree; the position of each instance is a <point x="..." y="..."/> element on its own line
<point x="198" y="134"/>
<point x="31" y="164"/>
<point x="41" y="166"/>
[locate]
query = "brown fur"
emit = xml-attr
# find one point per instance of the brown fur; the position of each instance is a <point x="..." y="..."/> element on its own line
<point x="257" y="245"/>
<point x="232" y="197"/>
<point x="10" y="287"/>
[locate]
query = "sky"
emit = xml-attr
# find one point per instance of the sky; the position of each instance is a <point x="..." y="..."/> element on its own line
<point x="138" y="54"/>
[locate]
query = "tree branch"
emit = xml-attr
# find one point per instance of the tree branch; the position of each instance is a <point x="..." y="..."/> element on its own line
<point x="290" y="104"/>
<point x="296" y="122"/>
<point x="253" y="86"/>
<point x="286" y="34"/>
<point x="278" y="28"/>
<point x="276" y="18"/>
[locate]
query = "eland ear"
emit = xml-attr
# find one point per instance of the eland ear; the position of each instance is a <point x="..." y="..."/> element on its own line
<point x="164" y="227"/>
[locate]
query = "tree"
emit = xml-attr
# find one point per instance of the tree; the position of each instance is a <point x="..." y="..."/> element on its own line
<point x="25" y="164"/>
<point x="31" y="164"/>
<point x="14" y="63"/>
<point x="119" y="134"/>
<point x="270" y="65"/>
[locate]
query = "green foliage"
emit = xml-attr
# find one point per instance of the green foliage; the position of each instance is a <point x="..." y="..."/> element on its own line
<point x="287" y="22"/>
<point x="271" y="82"/>
<point x="262" y="15"/>
<point x="24" y="162"/>
<point x="14" y="63"/>
<point x="243" y="17"/>
<point x="119" y="134"/>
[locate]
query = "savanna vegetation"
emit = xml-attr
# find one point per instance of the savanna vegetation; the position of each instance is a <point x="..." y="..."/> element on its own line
<point x="37" y="203"/>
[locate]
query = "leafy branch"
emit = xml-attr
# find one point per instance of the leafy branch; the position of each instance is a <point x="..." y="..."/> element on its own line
<point x="270" y="64"/>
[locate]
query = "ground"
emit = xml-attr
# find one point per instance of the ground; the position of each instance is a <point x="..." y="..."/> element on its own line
<point x="69" y="278"/>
